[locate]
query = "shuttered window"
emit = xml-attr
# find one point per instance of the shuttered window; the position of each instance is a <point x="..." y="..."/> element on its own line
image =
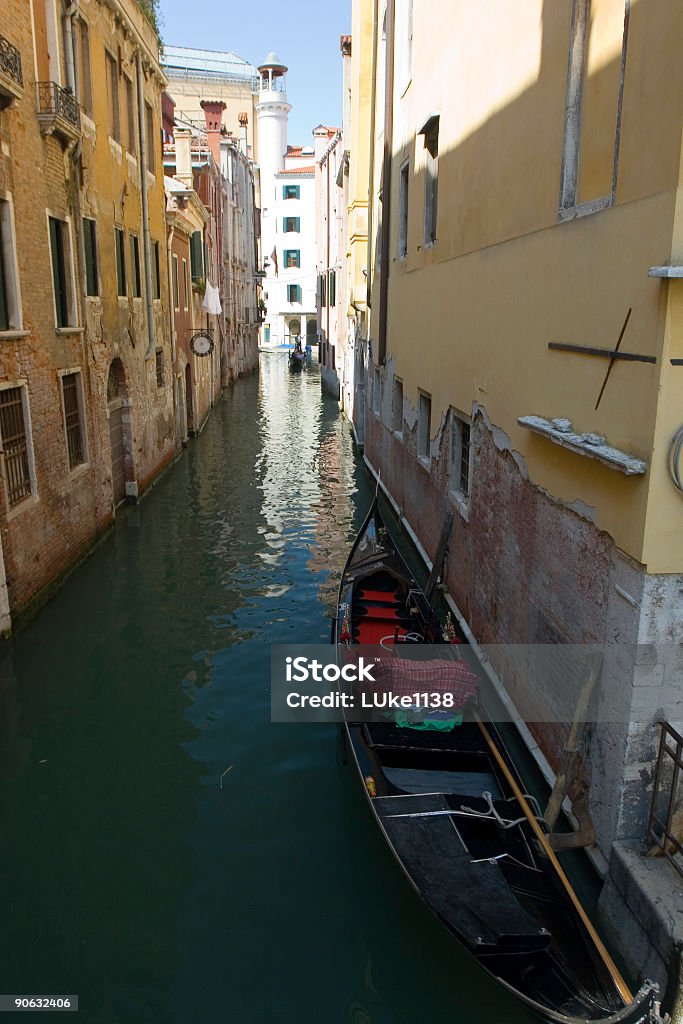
<point x="156" y="283"/>
<point x="197" y="255"/>
<point x="292" y="257"/>
<point x="135" y="266"/>
<point x="294" y="293"/>
<point x="92" y="286"/>
<point x="58" y="253"/>
<point x="291" y="191"/>
<point x="333" y="287"/>
<point x="291" y="224"/>
<point x="4" y="296"/>
<point x="120" y="260"/>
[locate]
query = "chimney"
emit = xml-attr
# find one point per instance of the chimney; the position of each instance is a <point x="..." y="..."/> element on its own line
<point x="183" y="156"/>
<point x="213" y="113"/>
<point x="244" y="121"/>
<point x="321" y="140"/>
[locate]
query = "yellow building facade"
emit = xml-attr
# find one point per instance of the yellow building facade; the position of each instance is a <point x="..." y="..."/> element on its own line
<point x="523" y="351"/>
<point x="86" y="393"/>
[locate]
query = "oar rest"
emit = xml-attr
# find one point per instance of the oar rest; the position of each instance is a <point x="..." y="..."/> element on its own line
<point x="473" y="899"/>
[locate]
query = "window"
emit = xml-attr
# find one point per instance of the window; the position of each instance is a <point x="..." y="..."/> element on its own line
<point x="10" y="300"/>
<point x="197" y="255"/>
<point x="461" y="465"/>
<point x="322" y="287"/>
<point x="430" y="131"/>
<point x="130" y="117"/>
<point x="176" y="295"/>
<point x="403" y="211"/>
<point x="156" y="271"/>
<point x="292" y="257"/>
<point x="15" y="445"/>
<point x="92" y="285"/>
<point x="293" y="293"/>
<point x="291" y="224"/>
<point x="73" y="419"/>
<point x="62" y="280"/>
<point x="266" y="333"/>
<point x="159" y="359"/>
<point x="119" y="238"/>
<point x="186" y="289"/>
<point x="151" y="141"/>
<point x="135" y="266"/>
<point x="333" y="287"/>
<point x="291" y="192"/>
<point x="113" y="96"/>
<point x="592" y="119"/>
<point x="397" y="407"/>
<point x="83" y="66"/>
<point x="376" y="392"/>
<point x="424" y="428"/>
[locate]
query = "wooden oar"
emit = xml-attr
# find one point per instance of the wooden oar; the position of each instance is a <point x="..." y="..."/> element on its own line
<point x="540" y="835"/>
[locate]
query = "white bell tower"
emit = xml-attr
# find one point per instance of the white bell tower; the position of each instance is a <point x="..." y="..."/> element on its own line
<point x="272" y="111"/>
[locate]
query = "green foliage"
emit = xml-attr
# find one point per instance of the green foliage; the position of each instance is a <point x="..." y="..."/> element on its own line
<point x="152" y="11"/>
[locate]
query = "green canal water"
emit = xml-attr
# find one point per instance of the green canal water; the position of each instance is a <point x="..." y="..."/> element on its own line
<point x="133" y="871"/>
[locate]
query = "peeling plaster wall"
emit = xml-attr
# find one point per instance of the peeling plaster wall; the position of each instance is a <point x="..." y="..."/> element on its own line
<point x="525" y="568"/>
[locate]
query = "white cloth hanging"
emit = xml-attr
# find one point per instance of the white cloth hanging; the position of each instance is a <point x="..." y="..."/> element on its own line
<point x="212" y="299"/>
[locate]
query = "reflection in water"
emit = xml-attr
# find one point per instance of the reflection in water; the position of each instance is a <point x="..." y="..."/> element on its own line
<point x="167" y="853"/>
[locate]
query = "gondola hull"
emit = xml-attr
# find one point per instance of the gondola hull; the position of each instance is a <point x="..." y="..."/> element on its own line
<point x="444" y="801"/>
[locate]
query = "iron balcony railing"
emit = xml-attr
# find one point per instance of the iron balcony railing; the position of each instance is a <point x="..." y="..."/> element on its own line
<point x="55" y="101"/>
<point x="10" y="61"/>
<point x="664" y="824"/>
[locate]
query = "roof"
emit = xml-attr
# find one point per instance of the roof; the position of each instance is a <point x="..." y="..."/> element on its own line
<point x="297" y="170"/>
<point x="320" y="128"/>
<point x="183" y="61"/>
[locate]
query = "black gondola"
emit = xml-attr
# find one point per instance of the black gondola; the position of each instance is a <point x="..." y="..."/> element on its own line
<point x="297" y="357"/>
<point x="451" y="807"/>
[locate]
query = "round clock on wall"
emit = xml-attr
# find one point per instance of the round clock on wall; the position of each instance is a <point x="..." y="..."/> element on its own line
<point x="202" y="344"/>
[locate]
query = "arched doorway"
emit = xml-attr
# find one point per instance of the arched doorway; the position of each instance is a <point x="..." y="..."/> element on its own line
<point x="294" y="331"/>
<point x="118" y="429"/>
<point x="189" y="404"/>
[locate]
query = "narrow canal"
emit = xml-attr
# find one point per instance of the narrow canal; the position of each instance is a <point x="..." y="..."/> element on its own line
<point x="133" y="871"/>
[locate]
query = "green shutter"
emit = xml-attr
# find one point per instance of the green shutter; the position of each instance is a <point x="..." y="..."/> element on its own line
<point x="90" y="242"/>
<point x="297" y="221"/>
<point x="120" y="262"/>
<point x="333" y="287"/>
<point x="197" y="255"/>
<point x="58" y="272"/>
<point x="4" y="311"/>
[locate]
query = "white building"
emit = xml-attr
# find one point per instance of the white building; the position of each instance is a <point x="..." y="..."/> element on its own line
<point x="287" y="217"/>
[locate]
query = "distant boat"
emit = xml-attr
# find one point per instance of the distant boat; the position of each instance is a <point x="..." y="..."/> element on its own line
<point x="297" y="359"/>
<point x="452" y="808"/>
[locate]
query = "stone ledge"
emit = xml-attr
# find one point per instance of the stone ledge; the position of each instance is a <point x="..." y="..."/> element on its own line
<point x="593" y="447"/>
<point x="651" y="891"/>
<point x="669" y="270"/>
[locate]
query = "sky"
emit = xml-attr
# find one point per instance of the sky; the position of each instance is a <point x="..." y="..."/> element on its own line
<point x="304" y="33"/>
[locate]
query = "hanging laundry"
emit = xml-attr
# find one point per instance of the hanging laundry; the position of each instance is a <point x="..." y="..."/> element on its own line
<point x="212" y="299"/>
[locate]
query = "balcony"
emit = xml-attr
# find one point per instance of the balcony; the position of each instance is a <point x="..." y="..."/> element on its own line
<point x="58" y="112"/>
<point x="11" y="78"/>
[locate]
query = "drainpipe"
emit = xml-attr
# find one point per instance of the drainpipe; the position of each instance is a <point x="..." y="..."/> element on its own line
<point x="169" y="260"/>
<point x="70" y="13"/>
<point x="371" y="162"/>
<point x="146" y="245"/>
<point x="386" y="183"/>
